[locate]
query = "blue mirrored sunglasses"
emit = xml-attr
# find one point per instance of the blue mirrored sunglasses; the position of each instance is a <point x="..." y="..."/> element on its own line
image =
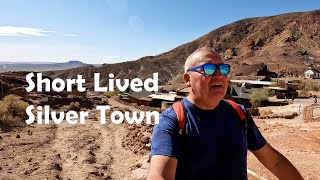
<point x="209" y="69"/>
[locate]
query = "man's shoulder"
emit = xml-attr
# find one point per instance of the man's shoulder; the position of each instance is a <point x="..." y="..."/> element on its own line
<point x="169" y="113"/>
<point x="164" y="136"/>
<point x="168" y="118"/>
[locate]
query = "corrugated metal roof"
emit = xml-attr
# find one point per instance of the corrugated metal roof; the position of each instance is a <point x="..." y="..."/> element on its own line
<point x="166" y="97"/>
<point x="251" y="82"/>
<point x="276" y="88"/>
<point x="139" y="95"/>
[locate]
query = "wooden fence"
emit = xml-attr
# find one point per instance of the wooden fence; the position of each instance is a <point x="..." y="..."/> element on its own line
<point x="311" y="113"/>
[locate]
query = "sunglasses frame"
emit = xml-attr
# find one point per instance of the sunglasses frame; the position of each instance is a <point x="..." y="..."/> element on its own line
<point x="217" y="66"/>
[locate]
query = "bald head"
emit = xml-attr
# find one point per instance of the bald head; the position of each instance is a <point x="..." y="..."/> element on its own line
<point x="200" y="55"/>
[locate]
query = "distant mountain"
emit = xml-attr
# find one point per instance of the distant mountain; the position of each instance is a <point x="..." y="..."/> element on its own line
<point x="33" y="66"/>
<point x="286" y="43"/>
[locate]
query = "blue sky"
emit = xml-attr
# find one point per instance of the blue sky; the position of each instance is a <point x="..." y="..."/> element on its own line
<point x="110" y="31"/>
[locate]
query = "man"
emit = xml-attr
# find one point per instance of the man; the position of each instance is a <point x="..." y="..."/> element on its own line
<point x="214" y="143"/>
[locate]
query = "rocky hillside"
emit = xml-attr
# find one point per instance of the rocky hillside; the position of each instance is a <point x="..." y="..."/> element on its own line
<point x="286" y="43"/>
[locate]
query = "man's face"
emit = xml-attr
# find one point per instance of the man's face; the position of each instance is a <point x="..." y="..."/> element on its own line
<point x="206" y="88"/>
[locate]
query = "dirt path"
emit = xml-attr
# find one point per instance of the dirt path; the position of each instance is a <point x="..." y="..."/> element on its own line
<point x="28" y="152"/>
<point x="89" y="151"/>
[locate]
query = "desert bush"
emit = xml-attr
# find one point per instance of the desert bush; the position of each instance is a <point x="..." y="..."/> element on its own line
<point x="295" y="81"/>
<point x="282" y="83"/>
<point x="124" y="109"/>
<point x="312" y="85"/>
<point x="109" y="94"/>
<point x="257" y="97"/>
<point x="12" y="110"/>
<point x="308" y="86"/>
<point x="265" y="112"/>
<point x="303" y="94"/>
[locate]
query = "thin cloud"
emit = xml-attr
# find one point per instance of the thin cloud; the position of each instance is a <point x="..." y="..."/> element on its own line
<point x="136" y="23"/>
<point x="71" y="35"/>
<point x="22" y="31"/>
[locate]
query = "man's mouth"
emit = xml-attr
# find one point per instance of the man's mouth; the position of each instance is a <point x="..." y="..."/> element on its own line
<point x="215" y="85"/>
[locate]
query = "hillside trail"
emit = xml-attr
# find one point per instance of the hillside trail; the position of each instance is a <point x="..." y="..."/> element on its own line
<point x="82" y="151"/>
<point x="94" y="150"/>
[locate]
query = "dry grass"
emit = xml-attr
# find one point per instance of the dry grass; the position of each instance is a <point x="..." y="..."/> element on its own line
<point x="124" y="109"/>
<point x="12" y="110"/>
<point x="265" y="112"/>
<point x="257" y="97"/>
<point x="110" y="94"/>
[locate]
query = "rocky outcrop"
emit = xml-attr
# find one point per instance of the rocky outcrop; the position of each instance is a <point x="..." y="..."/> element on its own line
<point x="263" y="71"/>
<point x="285" y="115"/>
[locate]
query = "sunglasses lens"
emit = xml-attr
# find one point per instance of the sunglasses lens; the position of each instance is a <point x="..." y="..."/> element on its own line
<point x="224" y="69"/>
<point x="209" y="69"/>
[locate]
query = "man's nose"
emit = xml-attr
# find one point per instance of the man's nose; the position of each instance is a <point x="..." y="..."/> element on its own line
<point x="217" y="74"/>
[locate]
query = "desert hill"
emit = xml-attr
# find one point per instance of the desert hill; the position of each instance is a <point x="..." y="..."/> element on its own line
<point x="286" y="43"/>
<point x="17" y="66"/>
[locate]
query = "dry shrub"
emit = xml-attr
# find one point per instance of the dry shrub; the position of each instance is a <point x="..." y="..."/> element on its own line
<point x="265" y="112"/>
<point x="257" y="97"/>
<point x="12" y="110"/>
<point x="124" y="109"/>
<point x="308" y="85"/>
<point x="303" y="94"/>
<point x="110" y="94"/>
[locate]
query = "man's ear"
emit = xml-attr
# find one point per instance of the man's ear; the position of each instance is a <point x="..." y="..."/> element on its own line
<point x="186" y="78"/>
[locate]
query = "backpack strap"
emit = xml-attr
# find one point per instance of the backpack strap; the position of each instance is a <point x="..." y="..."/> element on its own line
<point x="239" y="111"/>
<point x="180" y="111"/>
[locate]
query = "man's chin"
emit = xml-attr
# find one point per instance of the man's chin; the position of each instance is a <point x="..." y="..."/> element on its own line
<point x="217" y="93"/>
<point x="216" y="96"/>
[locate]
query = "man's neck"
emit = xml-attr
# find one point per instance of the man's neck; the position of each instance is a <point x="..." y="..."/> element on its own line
<point x="209" y="105"/>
